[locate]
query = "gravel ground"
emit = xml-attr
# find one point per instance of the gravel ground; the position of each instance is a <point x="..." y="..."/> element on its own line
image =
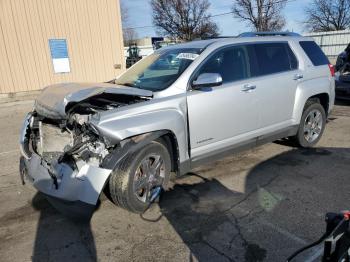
<point x="260" y="205"/>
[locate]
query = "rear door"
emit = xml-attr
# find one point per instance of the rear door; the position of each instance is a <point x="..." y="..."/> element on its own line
<point x="278" y="77"/>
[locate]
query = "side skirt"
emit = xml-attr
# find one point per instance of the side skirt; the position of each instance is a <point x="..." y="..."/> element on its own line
<point x="186" y="166"/>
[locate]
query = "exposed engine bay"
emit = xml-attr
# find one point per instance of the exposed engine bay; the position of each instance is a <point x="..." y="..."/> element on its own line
<point x="73" y="140"/>
<point x="60" y="140"/>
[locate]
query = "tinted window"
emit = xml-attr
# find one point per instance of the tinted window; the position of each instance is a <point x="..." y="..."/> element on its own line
<point x="274" y="58"/>
<point x="292" y="59"/>
<point x="314" y="52"/>
<point x="231" y="63"/>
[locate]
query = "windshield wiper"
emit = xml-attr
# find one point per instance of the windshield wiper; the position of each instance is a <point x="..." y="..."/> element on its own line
<point x="128" y="84"/>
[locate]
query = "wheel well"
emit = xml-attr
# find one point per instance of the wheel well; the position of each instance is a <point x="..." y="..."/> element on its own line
<point x="323" y="99"/>
<point x="166" y="137"/>
<point x="170" y="142"/>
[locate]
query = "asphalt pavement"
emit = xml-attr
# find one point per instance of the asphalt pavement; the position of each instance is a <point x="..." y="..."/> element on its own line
<point x="260" y="205"/>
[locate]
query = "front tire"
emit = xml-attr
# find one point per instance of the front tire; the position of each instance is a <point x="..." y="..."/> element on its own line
<point x="312" y="124"/>
<point x="132" y="181"/>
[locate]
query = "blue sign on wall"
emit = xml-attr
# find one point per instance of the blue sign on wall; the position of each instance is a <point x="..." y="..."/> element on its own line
<point x="58" y="48"/>
<point x="59" y="55"/>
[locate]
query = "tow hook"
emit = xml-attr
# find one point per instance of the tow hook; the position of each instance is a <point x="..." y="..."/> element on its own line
<point x="155" y="193"/>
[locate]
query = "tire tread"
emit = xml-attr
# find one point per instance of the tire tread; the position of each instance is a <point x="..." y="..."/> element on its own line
<point x="298" y="138"/>
<point x="119" y="180"/>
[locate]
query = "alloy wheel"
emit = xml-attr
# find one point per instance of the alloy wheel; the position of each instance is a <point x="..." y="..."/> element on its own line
<point x="149" y="174"/>
<point x="313" y="125"/>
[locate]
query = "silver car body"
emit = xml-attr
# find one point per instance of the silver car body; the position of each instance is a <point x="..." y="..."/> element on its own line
<point x="205" y="124"/>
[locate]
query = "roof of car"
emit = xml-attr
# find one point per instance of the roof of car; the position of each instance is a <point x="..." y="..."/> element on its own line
<point x="193" y="44"/>
<point x="202" y="44"/>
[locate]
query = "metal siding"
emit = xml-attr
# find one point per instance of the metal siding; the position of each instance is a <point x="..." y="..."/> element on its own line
<point x="87" y="40"/>
<point x="5" y="69"/>
<point x="25" y="50"/>
<point x="84" y="44"/>
<point x="43" y="52"/>
<point x="332" y="43"/>
<point x="95" y="37"/>
<point x="70" y="21"/>
<point x="92" y="29"/>
<point x="119" y="49"/>
<point x="12" y="47"/>
<point x="37" y="43"/>
<point x="108" y="32"/>
<point x="103" y="35"/>
<point x="73" y="21"/>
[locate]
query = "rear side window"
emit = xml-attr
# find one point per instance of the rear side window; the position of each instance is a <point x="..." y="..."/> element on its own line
<point x="274" y="58"/>
<point x="314" y="52"/>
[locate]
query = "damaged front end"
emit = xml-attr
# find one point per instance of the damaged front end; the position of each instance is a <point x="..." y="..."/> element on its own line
<point x="63" y="155"/>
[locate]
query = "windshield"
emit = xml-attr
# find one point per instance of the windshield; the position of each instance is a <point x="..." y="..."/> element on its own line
<point x="158" y="71"/>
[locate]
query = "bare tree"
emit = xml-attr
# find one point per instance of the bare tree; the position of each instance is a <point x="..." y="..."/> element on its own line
<point x="183" y="19"/>
<point x="262" y="15"/>
<point x="129" y="34"/>
<point x="328" y="15"/>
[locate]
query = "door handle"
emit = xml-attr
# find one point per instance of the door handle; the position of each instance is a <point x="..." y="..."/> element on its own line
<point x="298" y="76"/>
<point x="248" y="88"/>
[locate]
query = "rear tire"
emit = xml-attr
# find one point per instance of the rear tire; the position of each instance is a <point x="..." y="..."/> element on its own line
<point x="132" y="181"/>
<point x="312" y="124"/>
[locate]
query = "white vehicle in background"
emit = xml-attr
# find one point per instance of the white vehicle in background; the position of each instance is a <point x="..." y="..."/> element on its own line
<point x="178" y="108"/>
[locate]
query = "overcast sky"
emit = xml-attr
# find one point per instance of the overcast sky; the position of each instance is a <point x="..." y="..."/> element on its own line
<point x="140" y="14"/>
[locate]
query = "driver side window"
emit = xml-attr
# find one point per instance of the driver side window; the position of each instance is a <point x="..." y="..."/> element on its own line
<point x="232" y="63"/>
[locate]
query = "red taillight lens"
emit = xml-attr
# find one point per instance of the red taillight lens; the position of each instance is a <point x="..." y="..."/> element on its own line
<point x="331" y="69"/>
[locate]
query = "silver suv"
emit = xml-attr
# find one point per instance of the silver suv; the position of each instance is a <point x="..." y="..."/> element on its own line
<point x="182" y="106"/>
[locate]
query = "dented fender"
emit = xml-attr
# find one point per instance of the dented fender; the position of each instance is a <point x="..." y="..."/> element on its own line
<point x="129" y="146"/>
<point x="130" y="121"/>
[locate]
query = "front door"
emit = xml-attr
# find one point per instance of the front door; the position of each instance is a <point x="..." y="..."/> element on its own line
<point x="223" y="115"/>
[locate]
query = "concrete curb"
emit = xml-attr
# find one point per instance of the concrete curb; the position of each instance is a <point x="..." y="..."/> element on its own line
<point x="16" y="103"/>
<point x="20" y="96"/>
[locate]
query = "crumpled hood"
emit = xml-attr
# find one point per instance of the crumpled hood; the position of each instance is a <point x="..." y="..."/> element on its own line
<point x="53" y="100"/>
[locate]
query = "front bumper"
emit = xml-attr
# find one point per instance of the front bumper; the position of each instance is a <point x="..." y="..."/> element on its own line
<point x="71" y="186"/>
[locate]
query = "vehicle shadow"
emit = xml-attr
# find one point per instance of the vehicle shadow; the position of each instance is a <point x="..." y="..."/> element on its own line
<point x="58" y="238"/>
<point x="216" y="222"/>
<point x="199" y="214"/>
<point x="219" y="224"/>
<point x="342" y="102"/>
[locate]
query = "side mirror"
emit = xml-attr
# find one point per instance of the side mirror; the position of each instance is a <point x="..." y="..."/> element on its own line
<point x="207" y="80"/>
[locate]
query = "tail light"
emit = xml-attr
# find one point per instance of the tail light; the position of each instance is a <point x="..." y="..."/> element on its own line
<point x="331" y="69"/>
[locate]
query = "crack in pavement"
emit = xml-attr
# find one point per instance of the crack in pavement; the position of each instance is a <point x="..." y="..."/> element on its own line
<point x="217" y="251"/>
<point x="234" y="223"/>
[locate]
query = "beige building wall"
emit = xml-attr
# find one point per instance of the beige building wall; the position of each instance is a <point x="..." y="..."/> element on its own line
<point x="92" y="29"/>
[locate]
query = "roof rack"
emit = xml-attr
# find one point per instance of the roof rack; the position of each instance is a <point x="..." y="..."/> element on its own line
<point x="253" y="34"/>
<point x="216" y="37"/>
